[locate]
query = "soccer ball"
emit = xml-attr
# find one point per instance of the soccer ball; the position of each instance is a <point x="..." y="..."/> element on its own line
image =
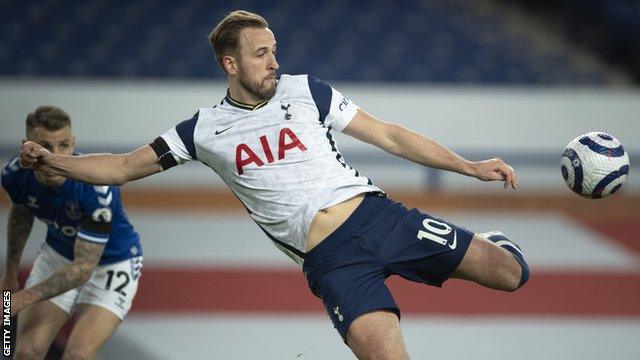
<point x="594" y="165"/>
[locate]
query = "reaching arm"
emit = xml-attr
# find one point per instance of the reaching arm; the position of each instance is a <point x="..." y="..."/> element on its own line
<point x="19" y="227"/>
<point x="410" y="145"/>
<point x="87" y="256"/>
<point x="101" y="169"/>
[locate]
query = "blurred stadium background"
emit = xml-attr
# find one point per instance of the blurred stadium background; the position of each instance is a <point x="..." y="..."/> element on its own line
<point x="518" y="79"/>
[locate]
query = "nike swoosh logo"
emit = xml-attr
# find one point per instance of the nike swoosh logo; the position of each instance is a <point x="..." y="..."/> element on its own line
<point x="218" y="132"/>
<point x="455" y="240"/>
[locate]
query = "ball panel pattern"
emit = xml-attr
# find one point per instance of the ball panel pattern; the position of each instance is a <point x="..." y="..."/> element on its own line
<point x="594" y="165"/>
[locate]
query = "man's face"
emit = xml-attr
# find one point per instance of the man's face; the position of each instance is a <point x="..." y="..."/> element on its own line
<point x="57" y="142"/>
<point x="257" y="62"/>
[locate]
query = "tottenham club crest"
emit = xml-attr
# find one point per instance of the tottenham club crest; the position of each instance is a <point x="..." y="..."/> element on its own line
<point x="72" y="209"/>
<point x="287" y="114"/>
<point x="32" y="202"/>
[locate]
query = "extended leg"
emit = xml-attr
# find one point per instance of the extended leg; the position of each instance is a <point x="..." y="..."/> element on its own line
<point x="492" y="265"/>
<point x="376" y="336"/>
<point x="500" y="239"/>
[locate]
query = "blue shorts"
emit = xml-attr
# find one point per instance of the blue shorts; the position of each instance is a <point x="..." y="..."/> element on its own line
<point x="381" y="238"/>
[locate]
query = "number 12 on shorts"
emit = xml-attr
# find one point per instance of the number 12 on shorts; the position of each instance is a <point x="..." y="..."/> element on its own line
<point x="434" y="233"/>
<point x="119" y="274"/>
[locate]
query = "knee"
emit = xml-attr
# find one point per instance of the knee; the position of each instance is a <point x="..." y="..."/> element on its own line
<point x="79" y="353"/>
<point x="30" y="351"/>
<point x="518" y="275"/>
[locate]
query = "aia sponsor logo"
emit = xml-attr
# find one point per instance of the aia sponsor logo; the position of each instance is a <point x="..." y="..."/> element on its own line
<point x="287" y="141"/>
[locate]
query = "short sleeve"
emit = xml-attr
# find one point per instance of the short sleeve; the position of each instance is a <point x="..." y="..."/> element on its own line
<point x="180" y="139"/>
<point x="98" y="206"/>
<point x="335" y="110"/>
<point x="12" y="179"/>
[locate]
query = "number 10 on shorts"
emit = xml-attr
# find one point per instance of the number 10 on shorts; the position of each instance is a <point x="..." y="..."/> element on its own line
<point x="434" y="233"/>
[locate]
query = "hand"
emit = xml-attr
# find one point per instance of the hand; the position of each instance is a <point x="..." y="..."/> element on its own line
<point x="10" y="283"/>
<point x="495" y="170"/>
<point x="33" y="156"/>
<point x="17" y="303"/>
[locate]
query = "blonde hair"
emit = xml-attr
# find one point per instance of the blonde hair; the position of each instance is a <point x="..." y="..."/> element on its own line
<point x="49" y="117"/>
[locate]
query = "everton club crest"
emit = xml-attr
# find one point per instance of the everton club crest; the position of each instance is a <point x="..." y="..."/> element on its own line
<point x="72" y="209"/>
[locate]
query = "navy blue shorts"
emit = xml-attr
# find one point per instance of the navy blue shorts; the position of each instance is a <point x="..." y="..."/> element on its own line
<point x="381" y="238"/>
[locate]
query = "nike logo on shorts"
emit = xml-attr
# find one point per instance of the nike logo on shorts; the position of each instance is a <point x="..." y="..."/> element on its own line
<point x="454" y="244"/>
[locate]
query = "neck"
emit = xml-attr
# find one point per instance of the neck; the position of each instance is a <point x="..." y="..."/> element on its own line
<point x="238" y="93"/>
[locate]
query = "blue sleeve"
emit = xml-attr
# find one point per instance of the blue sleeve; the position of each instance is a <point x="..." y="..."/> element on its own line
<point x="185" y="130"/>
<point x="97" y="204"/>
<point x="321" y="93"/>
<point x="12" y="179"/>
<point x="336" y="112"/>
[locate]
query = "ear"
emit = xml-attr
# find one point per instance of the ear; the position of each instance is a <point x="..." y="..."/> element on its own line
<point x="24" y="141"/>
<point x="230" y="64"/>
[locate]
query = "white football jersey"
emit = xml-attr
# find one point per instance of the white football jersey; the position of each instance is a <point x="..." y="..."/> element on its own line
<point x="278" y="157"/>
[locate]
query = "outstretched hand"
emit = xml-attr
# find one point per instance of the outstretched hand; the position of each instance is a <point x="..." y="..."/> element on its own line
<point x="496" y="170"/>
<point x="8" y="282"/>
<point x="33" y="156"/>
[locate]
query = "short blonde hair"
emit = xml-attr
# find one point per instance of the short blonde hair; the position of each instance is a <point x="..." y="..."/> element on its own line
<point x="225" y="36"/>
<point x="49" y="117"/>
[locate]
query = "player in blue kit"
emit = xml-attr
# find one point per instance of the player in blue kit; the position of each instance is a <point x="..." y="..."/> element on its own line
<point x="270" y="140"/>
<point x="90" y="262"/>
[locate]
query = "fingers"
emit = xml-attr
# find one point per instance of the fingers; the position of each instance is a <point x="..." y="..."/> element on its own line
<point x="30" y="154"/>
<point x="497" y="170"/>
<point x="514" y="181"/>
<point x="509" y="175"/>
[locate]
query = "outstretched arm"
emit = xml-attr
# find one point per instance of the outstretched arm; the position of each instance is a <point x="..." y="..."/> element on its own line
<point x="100" y="169"/>
<point x="87" y="256"/>
<point x="410" y="145"/>
<point x="19" y="227"/>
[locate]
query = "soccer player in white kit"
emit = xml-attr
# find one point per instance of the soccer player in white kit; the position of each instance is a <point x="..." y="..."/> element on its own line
<point x="270" y="140"/>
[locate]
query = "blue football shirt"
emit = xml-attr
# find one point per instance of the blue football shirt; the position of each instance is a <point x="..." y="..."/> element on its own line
<point x="75" y="209"/>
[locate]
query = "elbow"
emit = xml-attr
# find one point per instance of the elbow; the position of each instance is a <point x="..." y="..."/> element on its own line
<point x="397" y="139"/>
<point x="120" y="180"/>
<point x="124" y="170"/>
<point x="393" y="135"/>
<point x="116" y="179"/>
